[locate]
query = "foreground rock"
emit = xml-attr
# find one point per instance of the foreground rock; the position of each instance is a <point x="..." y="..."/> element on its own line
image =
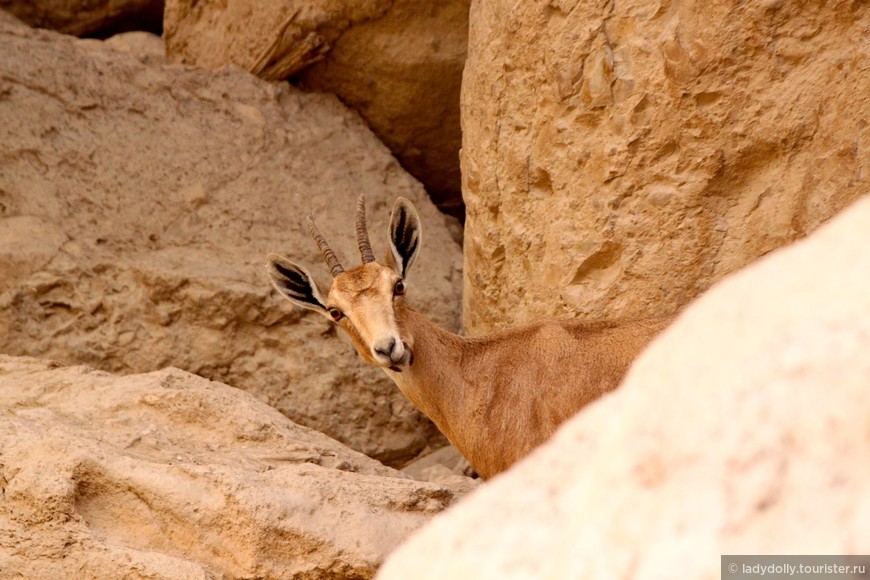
<point x="620" y="157"/>
<point x="743" y="430"/>
<point x="137" y="205"/>
<point x="170" y="475"/>
<point x="399" y="64"/>
<point x="79" y="17"/>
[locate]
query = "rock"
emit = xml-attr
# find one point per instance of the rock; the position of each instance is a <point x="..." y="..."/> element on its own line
<point x="170" y="475"/>
<point x="399" y="64"/>
<point x="273" y="39"/>
<point x="80" y="17"/>
<point x="619" y="158"/>
<point x="742" y="430"/>
<point x="446" y="466"/>
<point x="443" y="475"/>
<point x="145" y="46"/>
<point x="447" y="456"/>
<point x="402" y="73"/>
<point x="138" y="203"/>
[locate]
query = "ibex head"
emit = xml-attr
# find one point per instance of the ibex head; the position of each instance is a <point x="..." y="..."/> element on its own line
<point x="362" y="300"/>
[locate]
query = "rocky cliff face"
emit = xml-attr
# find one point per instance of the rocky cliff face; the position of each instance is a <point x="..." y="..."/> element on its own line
<point x="138" y="201"/>
<point x="620" y="157"/>
<point x="742" y="430"/>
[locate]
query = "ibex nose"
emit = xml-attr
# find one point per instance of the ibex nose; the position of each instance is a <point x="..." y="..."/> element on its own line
<point x="390" y="349"/>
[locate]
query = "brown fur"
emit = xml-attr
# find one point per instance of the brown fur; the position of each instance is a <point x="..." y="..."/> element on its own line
<point x="498" y="397"/>
<point x="360" y="296"/>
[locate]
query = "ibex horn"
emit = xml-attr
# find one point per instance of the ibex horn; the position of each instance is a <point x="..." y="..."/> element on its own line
<point x="328" y="254"/>
<point x="362" y="234"/>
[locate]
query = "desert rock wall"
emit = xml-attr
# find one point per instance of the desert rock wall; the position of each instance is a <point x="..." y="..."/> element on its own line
<point x="620" y="157"/>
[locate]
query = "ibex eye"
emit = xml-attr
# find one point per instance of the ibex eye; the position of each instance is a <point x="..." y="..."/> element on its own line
<point x="336" y="314"/>
<point x="399" y="288"/>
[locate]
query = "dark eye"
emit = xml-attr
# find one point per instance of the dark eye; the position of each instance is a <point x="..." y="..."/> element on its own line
<point x="336" y="314"/>
<point x="399" y="288"/>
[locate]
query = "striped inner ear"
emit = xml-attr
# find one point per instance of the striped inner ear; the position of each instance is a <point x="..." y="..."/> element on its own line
<point x="405" y="237"/>
<point x="296" y="285"/>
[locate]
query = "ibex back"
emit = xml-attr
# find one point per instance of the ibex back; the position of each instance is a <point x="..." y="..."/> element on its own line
<point x="495" y="398"/>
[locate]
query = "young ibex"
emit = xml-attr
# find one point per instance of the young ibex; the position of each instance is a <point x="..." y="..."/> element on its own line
<point x="495" y="398"/>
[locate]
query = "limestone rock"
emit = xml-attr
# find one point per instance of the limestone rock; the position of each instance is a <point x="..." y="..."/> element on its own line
<point x="399" y="64"/>
<point x="741" y="430"/>
<point x="447" y="456"/>
<point x="620" y="157"/>
<point x="402" y="73"/>
<point x="138" y="203"/>
<point x="170" y="475"/>
<point x="79" y="17"/>
<point x="145" y="46"/>
<point x="446" y="466"/>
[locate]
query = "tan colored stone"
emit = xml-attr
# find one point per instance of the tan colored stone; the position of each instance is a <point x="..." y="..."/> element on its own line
<point x="79" y="17"/>
<point x="447" y="456"/>
<point x="620" y="157"/>
<point x="741" y="430"/>
<point x="402" y="73"/>
<point x="170" y="475"/>
<point x="399" y="64"/>
<point x="138" y="203"/>
<point x="446" y="466"/>
<point x="145" y="46"/>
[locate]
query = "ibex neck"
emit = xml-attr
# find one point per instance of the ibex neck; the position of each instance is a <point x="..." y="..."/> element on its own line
<point x="434" y="382"/>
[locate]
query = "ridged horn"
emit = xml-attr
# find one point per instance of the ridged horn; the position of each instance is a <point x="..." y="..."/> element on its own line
<point x="362" y="233"/>
<point x="328" y="254"/>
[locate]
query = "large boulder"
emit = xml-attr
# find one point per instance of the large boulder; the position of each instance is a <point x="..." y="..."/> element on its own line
<point x="402" y="73"/>
<point x="169" y="475"/>
<point x="741" y="430"/>
<point x="80" y="17"/>
<point x="138" y="203"/>
<point x="620" y="157"/>
<point x="399" y="64"/>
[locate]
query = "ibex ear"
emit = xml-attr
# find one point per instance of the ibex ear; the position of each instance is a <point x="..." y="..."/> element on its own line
<point x="405" y="234"/>
<point x="295" y="283"/>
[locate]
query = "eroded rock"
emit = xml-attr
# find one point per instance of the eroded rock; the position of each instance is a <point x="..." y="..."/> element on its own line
<point x="399" y="64"/>
<point x="80" y="17"/>
<point x="620" y="157"/>
<point x="170" y="475"/>
<point x="446" y="466"/>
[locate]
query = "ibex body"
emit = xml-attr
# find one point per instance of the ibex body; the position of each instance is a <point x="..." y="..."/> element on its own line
<point x="495" y="398"/>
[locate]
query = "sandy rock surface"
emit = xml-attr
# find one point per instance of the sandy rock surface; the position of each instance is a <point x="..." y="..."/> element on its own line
<point x="402" y="72"/>
<point x="399" y="64"/>
<point x="169" y="475"/>
<point x="145" y="46"/>
<point x="620" y="157"/>
<point x="78" y="17"/>
<point x="742" y="430"/>
<point x="445" y="465"/>
<point x="137" y="205"/>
